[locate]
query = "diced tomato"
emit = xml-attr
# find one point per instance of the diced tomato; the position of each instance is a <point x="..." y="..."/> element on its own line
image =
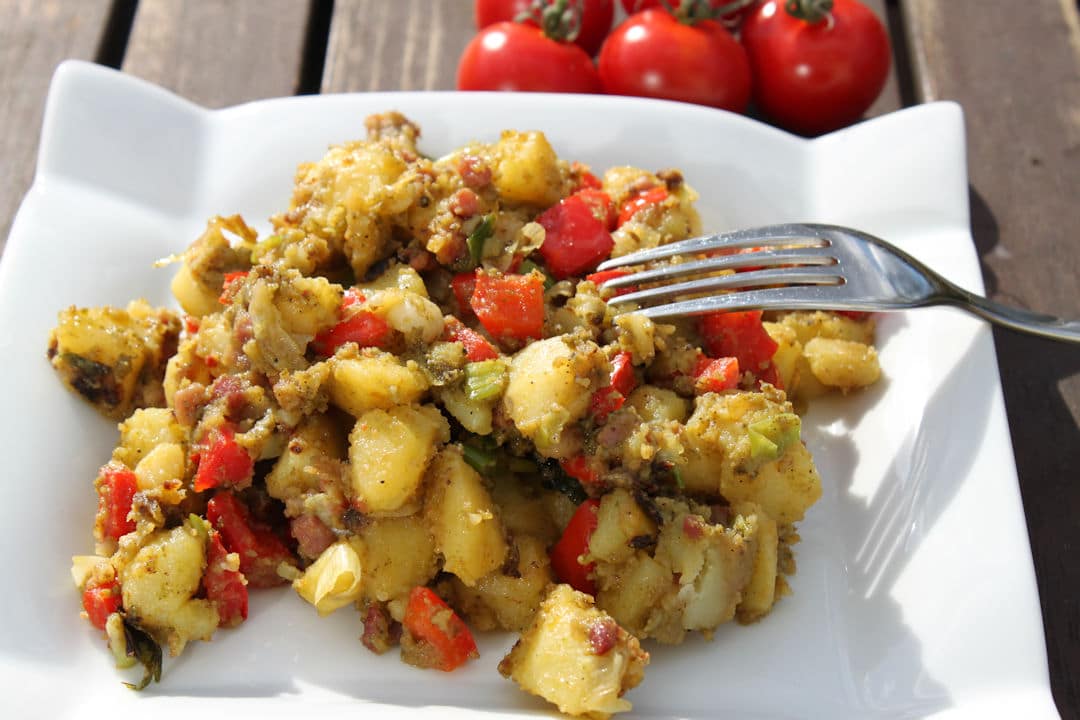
<point x="116" y="487"/>
<point x="226" y="286"/>
<point x="739" y="335"/>
<point x="100" y="601"/>
<point x="225" y="588"/>
<point x="572" y="545"/>
<point x="223" y="462"/>
<point x="602" y="206"/>
<point x="260" y="550"/>
<point x="585" y="179"/>
<point x="635" y="204"/>
<point x="445" y="639"/>
<point x="575" y="241"/>
<point x="477" y="347"/>
<point x="580" y="468"/>
<point x="716" y="374"/>
<point x="610" y="398"/>
<point x="605" y="275"/>
<point x="510" y="306"/>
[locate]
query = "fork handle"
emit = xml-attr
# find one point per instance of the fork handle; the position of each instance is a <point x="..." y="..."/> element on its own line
<point x="1024" y="321"/>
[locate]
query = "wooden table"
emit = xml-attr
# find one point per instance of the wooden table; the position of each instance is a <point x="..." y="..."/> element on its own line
<point x="1014" y="67"/>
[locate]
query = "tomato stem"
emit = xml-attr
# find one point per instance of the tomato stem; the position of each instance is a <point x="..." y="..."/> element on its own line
<point x="560" y="20"/>
<point x="811" y="11"/>
<point x="691" y="12"/>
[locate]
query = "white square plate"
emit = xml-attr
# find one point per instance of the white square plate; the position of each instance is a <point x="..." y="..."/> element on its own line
<point x="915" y="594"/>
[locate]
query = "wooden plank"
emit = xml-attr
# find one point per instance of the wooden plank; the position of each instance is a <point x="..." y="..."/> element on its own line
<point x="35" y="35"/>
<point x="402" y="45"/>
<point x="1017" y="76"/>
<point x="220" y="52"/>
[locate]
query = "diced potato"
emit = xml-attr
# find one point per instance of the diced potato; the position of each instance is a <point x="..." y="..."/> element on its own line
<point x="475" y="416"/>
<point x="784" y="488"/>
<point x="525" y="508"/>
<point x="786" y="357"/>
<point x="375" y="380"/>
<point x="161" y="471"/>
<point x="842" y="364"/>
<point x="658" y="404"/>
<point x="501" y="601"/>
<point x="551" y="383"/>
<point x="317" y="440"/>
<point x="527" y="169"/>
<point x="401" y="277"/>
<point x="760" y="593"/>
<point x="388" y="454"/>
<point x="159" y="585"/>
<point x="463" y="518"/>
<point x="819" y="324"/>
<point x="145" y="430"/>
<point x="334" y="580"/>
<point x="619" y="520"/>
<point x="115" y="359"/>
<point x="400" y="554"/>
<point x="632" y="590"/>
<point x="195" y="299"/>
<point x="576" y="657"/>
<point x="307" y="305"/>
<point x="418" y="319"/>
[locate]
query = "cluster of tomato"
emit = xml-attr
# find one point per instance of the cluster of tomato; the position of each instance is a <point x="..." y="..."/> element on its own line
<point x="810" y="66"/>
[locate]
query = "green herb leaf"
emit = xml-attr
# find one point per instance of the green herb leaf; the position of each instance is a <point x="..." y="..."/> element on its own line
<point x="146" y="651"/>
<point x="479" y="236"/>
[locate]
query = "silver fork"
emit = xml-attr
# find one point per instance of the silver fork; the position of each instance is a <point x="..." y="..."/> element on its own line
<point x="805" y="266"/>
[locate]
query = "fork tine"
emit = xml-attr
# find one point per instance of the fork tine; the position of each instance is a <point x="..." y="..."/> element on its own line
<point x="752" y="279"/>
<point x="786" y="234"/>
<point x="765" y="258"/>
<point x="808" y="297"/>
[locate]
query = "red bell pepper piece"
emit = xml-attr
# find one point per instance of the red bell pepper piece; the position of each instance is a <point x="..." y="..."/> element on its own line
<point x="100" y="601"/>
<point x="510" y="306"/>
<point x="580" y="468"/>
<point x="445" y="639"/>
<point x="223" y="462"/>
<point x="477" y="347"/>
<point x="463" y="285"/>
<point x="610" y="398"/>
<point x="116" y="488"/>
<point x="572" y="545"/>
<point x="585" y="179"/>
<point x="362" y="327"/>
<point x="603" y="208"/>
<point x="575" y="240"/>
<point x="716" y="374"/>
<point x="605" y="275"/>
<point x="260" y="550"/>
<point x="226" y="290"/>
<point x="739" y="335"/>
<point x="636" y="203"/>
<point x="225" y="588"/>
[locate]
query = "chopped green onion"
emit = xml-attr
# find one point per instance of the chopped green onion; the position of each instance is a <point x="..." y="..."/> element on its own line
<point x="482" y="461"/>
<point x="485" y="380"/>
<point x="479" y="236"/>
<point x="528" y="266"/>
<point x="769" y="438"/>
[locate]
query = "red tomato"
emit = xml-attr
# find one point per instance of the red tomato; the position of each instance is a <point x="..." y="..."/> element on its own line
<point x="510" y="306"/>
<point x="444" y="638"/>
<point x="511" y="56"/>
<point x="572" y="545"/>
<point x="260" y="550"/>
<point x="575" y="239"/>
<point x="813" y="77"/>
<point x="652" y="54"/>
<point x="593" y="17"/>
<point x="100" y="601"/>
<point x="225" y="588"/>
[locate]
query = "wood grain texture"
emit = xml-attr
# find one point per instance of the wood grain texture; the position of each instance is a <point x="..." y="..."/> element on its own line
<point x="35" y="35"/>
<point x="1017" y="76"/>
<point x="402" y="45"/>
<point x="219" y="52"/>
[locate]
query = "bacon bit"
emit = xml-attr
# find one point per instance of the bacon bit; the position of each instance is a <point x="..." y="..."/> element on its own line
<point x="721" y="514"/>
<point x="474" y="172"/>
<point x="603" y="634"/>
<point x="465" y="203"/>
<point x="243" y="330"/>
<point x="380" y="631"/>
<point x="311" y="534"/>
<point x="189" y="402"/>
<point x="693" y="527"/>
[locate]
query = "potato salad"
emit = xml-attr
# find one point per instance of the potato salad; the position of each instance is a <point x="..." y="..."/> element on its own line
<point x="410" y="401"/>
